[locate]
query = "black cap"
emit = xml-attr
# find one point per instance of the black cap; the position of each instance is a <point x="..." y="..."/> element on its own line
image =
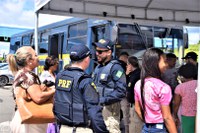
<point x="192" y="55"/>
<point x="79" y="52"/>
<point x="104" y="43"/>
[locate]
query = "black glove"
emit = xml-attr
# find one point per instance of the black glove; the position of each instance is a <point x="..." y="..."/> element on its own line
<point x="48" y="83"/>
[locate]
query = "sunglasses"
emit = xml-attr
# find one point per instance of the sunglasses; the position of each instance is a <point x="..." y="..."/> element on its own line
<point x="101" y="51"/>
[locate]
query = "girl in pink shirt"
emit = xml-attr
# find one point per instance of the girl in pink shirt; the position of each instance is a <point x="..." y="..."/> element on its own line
<point x="152" y="95"/>
<point x="186" y="96"/>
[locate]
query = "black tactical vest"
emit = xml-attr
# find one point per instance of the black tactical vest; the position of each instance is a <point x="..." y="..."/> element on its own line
<point x="69" y="106"/>
<point x="103" y="80"/>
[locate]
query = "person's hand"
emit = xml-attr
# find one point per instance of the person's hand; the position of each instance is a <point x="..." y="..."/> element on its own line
<point x="43" y="87"/>
<point x="128" y="70"/>
<point x="177" y="121"/>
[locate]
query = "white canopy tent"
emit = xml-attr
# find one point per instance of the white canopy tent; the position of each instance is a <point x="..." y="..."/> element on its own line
<point x="177" y="12"/>
<point x="151" y="12"/>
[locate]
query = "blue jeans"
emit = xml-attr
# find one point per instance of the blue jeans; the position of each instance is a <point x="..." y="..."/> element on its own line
<point x="154" y="128"/>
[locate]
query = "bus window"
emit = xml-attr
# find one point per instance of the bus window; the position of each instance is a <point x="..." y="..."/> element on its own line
<point x="160" y="34"/>
<point x="79" y="29"/>
<point x="13" y="48"/>
<point x="53" y="45"/>
<point x="26" y="40"/>
<point x="14" y="44"/>
<point x="99" y="32"/>
<point x="129" y="39"/>
<point x="77" y="34"/>
<point x="43" y="44"/>
<point x="33" y="41"/>
<point x="148" y="32"/>
<point x="77" y="41"/>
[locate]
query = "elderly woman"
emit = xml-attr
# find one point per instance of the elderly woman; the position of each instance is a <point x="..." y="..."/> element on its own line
<point x="22" y="64"/>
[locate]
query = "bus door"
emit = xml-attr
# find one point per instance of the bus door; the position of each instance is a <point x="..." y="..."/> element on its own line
<point x="55" y="47"/>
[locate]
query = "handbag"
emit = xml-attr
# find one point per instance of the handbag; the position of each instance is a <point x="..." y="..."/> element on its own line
<point x="33" y="113"/>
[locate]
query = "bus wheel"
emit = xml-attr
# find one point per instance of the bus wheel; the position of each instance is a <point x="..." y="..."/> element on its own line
<point x="3" y="80"/>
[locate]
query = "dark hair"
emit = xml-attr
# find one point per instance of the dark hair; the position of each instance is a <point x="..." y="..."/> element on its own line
<point x="133" y="61"/>
<point x="123" y="53"/>
<point x="170" y="55"/>
<point x="188" y="71"/>
<point x="50" y="61"/>
<point x="150" y="68"/>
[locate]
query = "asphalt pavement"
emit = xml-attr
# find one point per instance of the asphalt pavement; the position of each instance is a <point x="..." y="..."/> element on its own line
<point x="7" y="106"/>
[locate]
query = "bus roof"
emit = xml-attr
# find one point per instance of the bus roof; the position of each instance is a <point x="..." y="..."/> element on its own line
<point x="9" y="31"/>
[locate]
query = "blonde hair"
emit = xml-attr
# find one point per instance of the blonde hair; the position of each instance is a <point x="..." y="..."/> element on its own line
<point x="19" y="59"/>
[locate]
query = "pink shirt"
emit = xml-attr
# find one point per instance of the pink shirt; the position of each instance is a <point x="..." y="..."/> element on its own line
<point x="157" y="93"/>
<point x="188" y="97"/>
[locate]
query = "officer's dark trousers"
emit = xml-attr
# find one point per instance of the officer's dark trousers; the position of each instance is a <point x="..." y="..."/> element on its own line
<point x="68" y="129"/>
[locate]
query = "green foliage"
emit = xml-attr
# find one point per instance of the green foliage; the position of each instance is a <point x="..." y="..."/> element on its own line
<point x="192" y="47"/>
<point x="195" y="48"/>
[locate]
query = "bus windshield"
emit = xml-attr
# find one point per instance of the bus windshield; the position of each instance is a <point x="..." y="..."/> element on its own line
<point x="130" y="39"/>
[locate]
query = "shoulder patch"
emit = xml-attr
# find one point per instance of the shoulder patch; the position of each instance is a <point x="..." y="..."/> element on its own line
<point x="119" y="74"/>
<point x="102" y="76"/>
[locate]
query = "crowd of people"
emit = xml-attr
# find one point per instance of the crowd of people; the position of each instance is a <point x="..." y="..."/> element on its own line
<point x="152" y="96"/>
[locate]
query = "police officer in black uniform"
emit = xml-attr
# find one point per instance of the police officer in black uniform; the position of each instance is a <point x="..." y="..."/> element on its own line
<point x="110" y="79"/>
<point x="76" y="99"/>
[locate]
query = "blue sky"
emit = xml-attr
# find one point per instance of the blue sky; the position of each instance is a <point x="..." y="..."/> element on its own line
<point x="20" y="13"/>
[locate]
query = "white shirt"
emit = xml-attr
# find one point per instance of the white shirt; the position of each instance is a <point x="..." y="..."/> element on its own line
<point x="45" y="75"/>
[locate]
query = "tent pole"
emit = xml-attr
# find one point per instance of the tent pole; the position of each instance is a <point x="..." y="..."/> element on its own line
<point x="36" y="35"/>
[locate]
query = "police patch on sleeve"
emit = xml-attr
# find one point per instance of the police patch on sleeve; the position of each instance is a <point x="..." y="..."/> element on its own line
<point x="119" y="74"/>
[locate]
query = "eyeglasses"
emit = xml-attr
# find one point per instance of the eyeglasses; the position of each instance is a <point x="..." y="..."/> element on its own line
<point x="101" y="51"/>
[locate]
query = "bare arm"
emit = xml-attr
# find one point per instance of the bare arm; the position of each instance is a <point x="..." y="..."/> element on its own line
<point x="177" y="102"/>
<point x="38" y="95"/>
<point x="168" y="119"/>
<point x="138" y="110"/>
